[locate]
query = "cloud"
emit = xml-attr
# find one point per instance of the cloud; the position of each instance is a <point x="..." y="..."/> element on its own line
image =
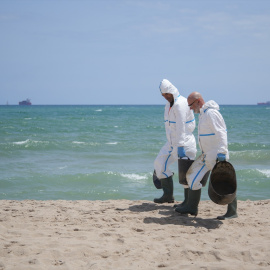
<point x="228" y="24"/>
<point x="177" y="17"/>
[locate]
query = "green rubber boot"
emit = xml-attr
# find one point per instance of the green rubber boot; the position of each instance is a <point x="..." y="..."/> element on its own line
<point x="167" y="186"/>
<point x="231" y="211"/>
<point x="185" y="199"/>
<point x="191" y="207"/>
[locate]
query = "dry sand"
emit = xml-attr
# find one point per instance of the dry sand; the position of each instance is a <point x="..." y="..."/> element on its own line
<point x="123" y="234"/>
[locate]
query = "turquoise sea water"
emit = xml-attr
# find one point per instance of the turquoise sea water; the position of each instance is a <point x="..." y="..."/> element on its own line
<point x="107" y="152"/>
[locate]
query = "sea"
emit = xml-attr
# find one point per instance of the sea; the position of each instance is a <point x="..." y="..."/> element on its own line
<point x="106" y="152"/>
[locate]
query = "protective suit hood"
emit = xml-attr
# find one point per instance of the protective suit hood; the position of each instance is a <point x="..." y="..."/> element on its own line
<point x="209" y="104"/>
<point x="167" y="87"/>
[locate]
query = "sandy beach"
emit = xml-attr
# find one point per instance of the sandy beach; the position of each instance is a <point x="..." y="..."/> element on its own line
<point x="123" y="234"/>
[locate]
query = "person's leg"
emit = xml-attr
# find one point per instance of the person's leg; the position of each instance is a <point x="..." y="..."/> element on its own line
<point x="194" y="176"/>
<point x="231" y="211"/>
<point x="167" y="186"/>
<point x="185" y="198"/>
<point x="165" y="158"/>
<point x="191" y="207"/>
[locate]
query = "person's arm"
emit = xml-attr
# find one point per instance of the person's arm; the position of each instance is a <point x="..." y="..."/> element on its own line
<point x="180" y="116"/>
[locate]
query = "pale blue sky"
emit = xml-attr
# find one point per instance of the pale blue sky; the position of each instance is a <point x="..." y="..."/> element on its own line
<point x="118" y="51"/>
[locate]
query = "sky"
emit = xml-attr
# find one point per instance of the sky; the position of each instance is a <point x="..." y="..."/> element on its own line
<point x="117" y="51"/>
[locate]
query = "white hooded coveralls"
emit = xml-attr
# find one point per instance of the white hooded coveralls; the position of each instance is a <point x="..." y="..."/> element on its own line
<point x="179" y="125"/>
<point x="212" y="137"/>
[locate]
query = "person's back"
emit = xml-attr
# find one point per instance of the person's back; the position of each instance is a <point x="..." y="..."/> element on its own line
<point x="212" y="133"/>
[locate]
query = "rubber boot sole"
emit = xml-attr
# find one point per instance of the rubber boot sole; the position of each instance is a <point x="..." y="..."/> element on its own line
<point x="225" y="217"/>
<point x="184" y="212"/>
<point x="172" y="201"/>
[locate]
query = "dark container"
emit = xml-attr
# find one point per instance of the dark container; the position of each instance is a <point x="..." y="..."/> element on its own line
<point x="222" y="185"/>
<point x="156" y="180"/>
<point x="183" y="166"/>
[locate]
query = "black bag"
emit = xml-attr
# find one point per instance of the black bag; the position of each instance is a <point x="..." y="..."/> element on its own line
<point x="183" y="166"/>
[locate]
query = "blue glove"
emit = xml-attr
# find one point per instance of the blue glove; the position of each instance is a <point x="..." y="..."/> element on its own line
<point x="181" y="152"/>
<point x="221" y="157"/>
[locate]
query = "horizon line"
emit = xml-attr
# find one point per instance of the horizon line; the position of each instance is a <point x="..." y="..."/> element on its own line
<point x="116" y="105"/>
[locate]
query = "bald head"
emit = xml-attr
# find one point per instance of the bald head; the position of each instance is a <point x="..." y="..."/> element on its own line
<point x="195" y="101"/>
<point x="194" y="95"/>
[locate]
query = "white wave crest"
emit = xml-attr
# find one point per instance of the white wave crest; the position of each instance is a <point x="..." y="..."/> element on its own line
<point x="266" y="172"/>
<point x="22" y="142"/>
<point x="134" y="176"/>
<point x="98" y="110"/>
<point x="112" y="143"/>
<point x="29" y="142"/>
<point x="76" y="142"/>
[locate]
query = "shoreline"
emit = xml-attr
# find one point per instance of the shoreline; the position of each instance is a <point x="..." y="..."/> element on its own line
<point x="125" y="234"/>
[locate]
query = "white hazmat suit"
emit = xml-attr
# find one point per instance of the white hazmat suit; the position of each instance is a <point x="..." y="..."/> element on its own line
<point x="179" y="125"/>
<point x="212" y="137"/>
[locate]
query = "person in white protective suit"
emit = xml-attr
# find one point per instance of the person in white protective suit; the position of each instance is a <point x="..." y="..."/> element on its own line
<point x="179" y="125"/>
<point x="212" y="137"/>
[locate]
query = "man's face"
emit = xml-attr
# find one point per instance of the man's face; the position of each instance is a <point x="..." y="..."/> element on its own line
<point x="194" y="104"/>
<point x="168" y="97"/>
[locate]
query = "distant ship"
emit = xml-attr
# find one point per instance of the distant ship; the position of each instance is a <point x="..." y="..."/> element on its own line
<point x="25" y="102"/>
<point x="264" y="103"/>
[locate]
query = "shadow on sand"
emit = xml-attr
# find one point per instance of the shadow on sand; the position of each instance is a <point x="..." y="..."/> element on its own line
<point x="169" y="216"/>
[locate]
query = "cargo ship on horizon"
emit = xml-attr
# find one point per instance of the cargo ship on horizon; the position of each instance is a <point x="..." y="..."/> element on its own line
<point x="25" y="102"/>
<point x="264" y="103"/>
